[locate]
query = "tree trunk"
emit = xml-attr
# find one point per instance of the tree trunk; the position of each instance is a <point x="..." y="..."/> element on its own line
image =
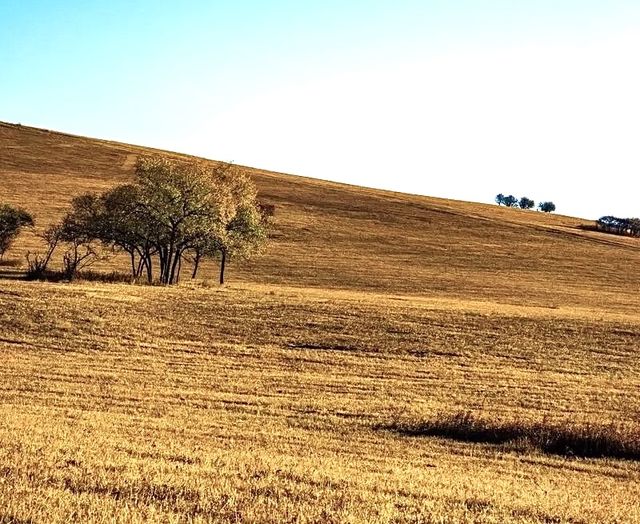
<point x="223" y="261"/>
<point x="162" y="256"/>
<point x="173" y="270"/>
<point x="141" y="266"/>
<point x="134" y="273"/>
<point x="148" y="265"/>
<point x="168" y="278"/>
<point x="196" y="263"/>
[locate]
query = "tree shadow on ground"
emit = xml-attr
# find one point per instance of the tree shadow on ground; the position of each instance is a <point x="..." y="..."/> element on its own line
<point x="618" y="440"/>
<point x="9" y="271"/>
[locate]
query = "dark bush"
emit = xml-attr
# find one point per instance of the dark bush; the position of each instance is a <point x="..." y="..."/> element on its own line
<point x="569" y="438"/>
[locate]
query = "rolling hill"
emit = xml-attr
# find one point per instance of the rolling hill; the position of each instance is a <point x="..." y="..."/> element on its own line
<point x="340" y="236"/>
<point x="301" y="390"/>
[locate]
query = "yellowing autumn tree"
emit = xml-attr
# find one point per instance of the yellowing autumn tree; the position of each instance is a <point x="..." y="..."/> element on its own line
<point x="173" y="210"/>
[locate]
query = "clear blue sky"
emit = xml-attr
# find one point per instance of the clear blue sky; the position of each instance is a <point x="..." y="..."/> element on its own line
<point x="452" y="98"/>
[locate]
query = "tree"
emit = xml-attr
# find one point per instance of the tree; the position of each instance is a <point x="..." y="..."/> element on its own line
<point x="172" y="210"/>
<point x="12" y="220"/>
<point x="122" y="225"/>
<point x="184" y="206"/>
<point x="634" y="226"/>
<point x="547" y="207"/>
<point x="114" y="219"/>
<point x="526" y="203"/>
<point x="500" y="199"/>
<point x="244" y="225"/>
<point x="619" y="226"/>
<point x="510" y="201"/>
<point x="37" y="262"/>
<point x="79" y="231"/>
<point x="242" y="236"/>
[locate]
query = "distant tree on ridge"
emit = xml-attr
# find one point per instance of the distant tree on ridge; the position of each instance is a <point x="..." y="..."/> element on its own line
<point x="526" y="203"/>
<point x="510" y="201"/>
<point x="547" y="207"/>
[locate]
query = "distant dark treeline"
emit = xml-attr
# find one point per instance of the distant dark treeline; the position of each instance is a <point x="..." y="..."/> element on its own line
<point x="619" y="226"/>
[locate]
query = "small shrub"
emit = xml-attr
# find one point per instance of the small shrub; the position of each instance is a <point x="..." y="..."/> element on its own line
<point x="37" y="266"/>
<point x="267" y="210"/>
<point x="37" y="263"/>
<point x="113" y="277"/>
<point x="79" y="255"/>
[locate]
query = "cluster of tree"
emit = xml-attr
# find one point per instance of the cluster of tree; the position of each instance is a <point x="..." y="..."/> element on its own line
<point x="173" y="212"/>
<point x="509" y="200"/>
<point x="619" y="226"/>
<point x="12" y="220"/>
<point x="523" y="203"/>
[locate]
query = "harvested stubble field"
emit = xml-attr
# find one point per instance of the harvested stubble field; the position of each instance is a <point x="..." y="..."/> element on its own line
<point x="278" y="398"/>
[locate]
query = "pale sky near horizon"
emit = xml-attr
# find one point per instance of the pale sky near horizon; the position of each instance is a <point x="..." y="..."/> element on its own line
<point x="450" y="98"/>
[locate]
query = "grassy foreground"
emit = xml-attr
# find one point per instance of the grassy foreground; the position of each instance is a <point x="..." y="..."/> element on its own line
<point x="260" y="403"/>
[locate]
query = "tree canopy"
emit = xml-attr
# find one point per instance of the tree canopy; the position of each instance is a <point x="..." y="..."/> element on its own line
<point x="523" y="203"/>
<point x="526" y="203"/>
<point x="12" y="220"/>
<point x="510" y="201"/>
<point x="619" y="226"/>
<point x="173" y="209"/>
<point x="547" y="207"/>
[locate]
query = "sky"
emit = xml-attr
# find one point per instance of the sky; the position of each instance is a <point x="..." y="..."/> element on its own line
<point x="458" y="99"/>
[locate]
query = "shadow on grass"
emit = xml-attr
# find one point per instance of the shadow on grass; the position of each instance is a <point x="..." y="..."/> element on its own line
<point x="11" y="519"/>
<point x="10" y="263"/>
<point x="570" y="439"/>
<point x="12" y="270"/>
<point x="81" y="276"/>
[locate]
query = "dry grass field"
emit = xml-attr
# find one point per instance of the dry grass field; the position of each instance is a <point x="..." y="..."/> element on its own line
<point x="284" y="396"/>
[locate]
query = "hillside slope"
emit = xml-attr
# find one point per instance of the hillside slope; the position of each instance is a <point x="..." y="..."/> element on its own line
<point x="335" y="235"/>
<point x="282" y="397"/>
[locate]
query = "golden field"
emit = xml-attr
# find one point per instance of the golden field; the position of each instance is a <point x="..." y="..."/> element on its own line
<point x="274" y="398"/>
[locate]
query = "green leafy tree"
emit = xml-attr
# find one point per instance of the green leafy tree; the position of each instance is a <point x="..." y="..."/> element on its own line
<point x="526" y="203"/>
<point x="244" y="224"/>
<point x="171" y="211"/>
<point x="78" y="231"/>
<point x="179" y="205"/>
<point x="500" y="199"/>
<point x="547" y="207"/>
<point x="12" y="221"/>
<point x="510" y="201"/>
<point x="243" y="236"/>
